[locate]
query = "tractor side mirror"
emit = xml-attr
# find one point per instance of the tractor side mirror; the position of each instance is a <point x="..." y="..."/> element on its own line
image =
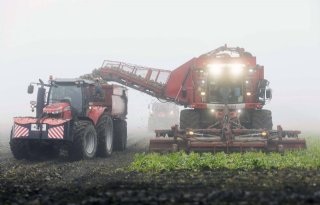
<point x="269" y="94"/>
<point x="30" y="89"/>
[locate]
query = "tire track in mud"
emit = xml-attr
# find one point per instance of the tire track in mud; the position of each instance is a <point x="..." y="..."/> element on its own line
<point x="61" y="169"/>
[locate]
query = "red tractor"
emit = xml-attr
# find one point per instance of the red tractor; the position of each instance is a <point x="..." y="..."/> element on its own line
<point x="224" y="91"/>
<point x="84" y="117"/>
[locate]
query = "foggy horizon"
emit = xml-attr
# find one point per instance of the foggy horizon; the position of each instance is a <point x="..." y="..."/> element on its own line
<point x="284" y="36"/>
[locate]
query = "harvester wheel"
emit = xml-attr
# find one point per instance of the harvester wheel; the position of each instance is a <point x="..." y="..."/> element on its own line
<point x="105" y="136"/>
<point x="262" y="119"/>
<point x="189" y="119"/>
<point x="85" y="141"/>
<point x="120" y="133"/>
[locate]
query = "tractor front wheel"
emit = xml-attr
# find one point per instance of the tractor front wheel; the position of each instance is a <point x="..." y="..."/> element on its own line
<point x="85" y="141"/>
<point x="19" y="148"/>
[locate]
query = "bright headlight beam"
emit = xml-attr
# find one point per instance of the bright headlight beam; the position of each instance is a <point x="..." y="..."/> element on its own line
<point x="236" y="69"/>
<point x="215" y="69"/>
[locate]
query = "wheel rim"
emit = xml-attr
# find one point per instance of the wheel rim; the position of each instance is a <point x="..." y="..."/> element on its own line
<point x="89" y="142"/>
<point x="109" y="138"/>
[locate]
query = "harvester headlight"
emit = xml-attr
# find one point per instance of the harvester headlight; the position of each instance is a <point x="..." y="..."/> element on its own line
<point x="215" y="69"/>
<point x="236" y="69"/>
<point x="190" y="133"/>
<point x="203" y="93"/>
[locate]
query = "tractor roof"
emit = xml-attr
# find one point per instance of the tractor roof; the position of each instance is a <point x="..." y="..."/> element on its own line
<point x="72" y="80"/>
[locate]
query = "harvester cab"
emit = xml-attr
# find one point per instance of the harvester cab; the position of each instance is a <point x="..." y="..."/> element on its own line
<point x="82" y="116"/>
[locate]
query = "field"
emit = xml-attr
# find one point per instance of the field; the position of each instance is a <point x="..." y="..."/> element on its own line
<point x="131" y="178"/>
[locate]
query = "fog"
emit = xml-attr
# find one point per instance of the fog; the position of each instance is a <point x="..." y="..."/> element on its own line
<point x="63" y="38"/>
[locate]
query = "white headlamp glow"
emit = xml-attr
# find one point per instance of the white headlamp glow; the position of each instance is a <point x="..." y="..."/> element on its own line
<point x="215" y="69"/>
<point x="236" y="69"/>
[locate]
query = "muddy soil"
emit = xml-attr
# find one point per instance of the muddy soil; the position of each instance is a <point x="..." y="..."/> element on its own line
<point x="107" y="181"/>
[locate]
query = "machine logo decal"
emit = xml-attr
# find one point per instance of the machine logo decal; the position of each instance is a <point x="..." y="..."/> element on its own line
<point x="20" y="131"/>
<point x="56" y="132"/>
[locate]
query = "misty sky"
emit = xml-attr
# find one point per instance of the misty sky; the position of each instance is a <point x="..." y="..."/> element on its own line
<point x="68" y="38"/>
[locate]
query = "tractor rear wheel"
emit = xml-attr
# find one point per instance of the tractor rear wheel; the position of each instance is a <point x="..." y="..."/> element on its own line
<point x="120" y="134"/>
<point x="189" y="119"/>
<point x="85" y="141"/>
<point x="105" y="136"/>
<point x="262" y="119"/>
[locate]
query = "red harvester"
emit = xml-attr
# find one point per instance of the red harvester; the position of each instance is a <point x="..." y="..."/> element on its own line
<point x="224" y="92"/>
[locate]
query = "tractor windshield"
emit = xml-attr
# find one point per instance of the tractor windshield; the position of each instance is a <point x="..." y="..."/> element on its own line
<point x="67" y="93"/>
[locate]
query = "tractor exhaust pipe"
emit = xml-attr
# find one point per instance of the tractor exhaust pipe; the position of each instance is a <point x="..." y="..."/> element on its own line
<point x="40" y="99"/>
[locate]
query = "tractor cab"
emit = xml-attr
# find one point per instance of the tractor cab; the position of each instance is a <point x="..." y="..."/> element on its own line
<point x="66" y="98"/>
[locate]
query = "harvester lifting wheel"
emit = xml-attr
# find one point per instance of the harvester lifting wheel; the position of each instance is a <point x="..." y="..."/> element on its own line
<point x="262" y="119"/>
<point x="189" y="119"/>
<point x="85" y="141"/>
<point x="120" y="135"/>
<point x="105" y="135"/>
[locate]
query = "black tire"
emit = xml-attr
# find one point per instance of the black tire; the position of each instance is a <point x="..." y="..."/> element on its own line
<point x="120" y="135"/>
<point x="262" y="119"/>
<point x="189" y="119"/>
<point x="36" y="150"/>
<point x="19" y="148"/>
<point x="105" y="136"/>
<point x="85" y="141"/>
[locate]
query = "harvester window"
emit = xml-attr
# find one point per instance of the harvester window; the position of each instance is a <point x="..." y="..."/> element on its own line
<point x="225" y="94"/>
